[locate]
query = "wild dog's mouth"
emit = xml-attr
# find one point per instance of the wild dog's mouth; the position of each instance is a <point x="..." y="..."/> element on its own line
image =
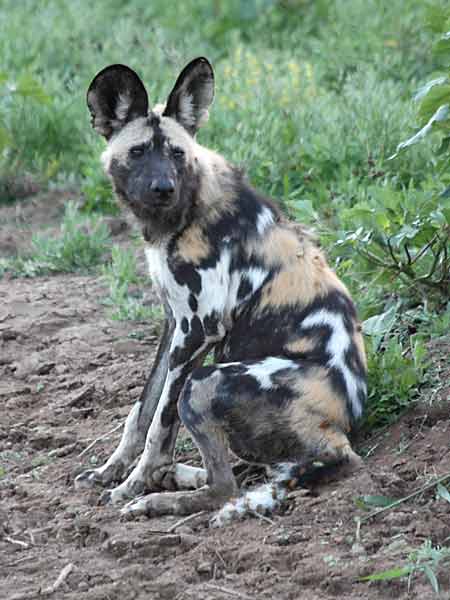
<point x="162" y="201"/>
<point x="153" y="207"/>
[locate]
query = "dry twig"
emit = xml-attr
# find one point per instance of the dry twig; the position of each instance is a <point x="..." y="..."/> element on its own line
<point x="39" y="593"/>
<point x="185" y="520"/>
<point x="377" y="512"/>
<point x="225" y="590"/>
<point x="59" y="581"/>
<point x="99" y="439"/>
<point x="16" y="542"/>
<point x="261" y="517"/>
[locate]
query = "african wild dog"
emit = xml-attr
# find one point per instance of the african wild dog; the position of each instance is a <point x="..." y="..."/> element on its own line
<point x="289" y="377"/>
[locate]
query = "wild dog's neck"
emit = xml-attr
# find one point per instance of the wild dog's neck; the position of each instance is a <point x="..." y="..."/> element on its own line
<point x="217" y="184"/>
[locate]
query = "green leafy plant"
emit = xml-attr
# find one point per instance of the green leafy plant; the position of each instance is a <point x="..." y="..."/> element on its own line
<point x="405" y="235"/>
<point x="427" y="559"/>
<point x="434" y="96"/>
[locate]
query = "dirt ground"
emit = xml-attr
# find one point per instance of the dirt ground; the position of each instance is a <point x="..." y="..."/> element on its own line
<point x="68" y="375"/>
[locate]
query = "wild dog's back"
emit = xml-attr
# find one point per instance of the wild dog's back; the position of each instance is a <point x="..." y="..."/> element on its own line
<point x="284" y="298"/>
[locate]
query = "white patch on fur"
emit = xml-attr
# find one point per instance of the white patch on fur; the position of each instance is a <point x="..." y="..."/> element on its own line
<point x="215" y="285"/>
<point x="263" y="500"/>
<point x="255" y="275"/>
<point x="157" y="263"/>
<point x="264" y="370"/>
<point x="337" y="346"/>
<point x="264" y="220"/>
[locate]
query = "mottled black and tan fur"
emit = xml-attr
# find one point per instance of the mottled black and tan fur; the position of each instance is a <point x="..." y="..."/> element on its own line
<point x="289" y="378"/>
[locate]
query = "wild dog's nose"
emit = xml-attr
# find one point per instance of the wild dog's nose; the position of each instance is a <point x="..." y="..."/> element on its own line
<point x="163" y="186"/>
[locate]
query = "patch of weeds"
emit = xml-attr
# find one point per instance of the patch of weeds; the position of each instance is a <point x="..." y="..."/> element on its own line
<point x="331" y="560"/>
<point x="80" y="245"/>
<point x="125" y="301"/>
<point x="39" y="461"/>
<point x="137" y="335"/>
<point x="5" y="266"/>
<point x="396" y="366"/>
<point x="427" y="559"/>
<point x="184" y="445"/>
<point x="11" y="455"/>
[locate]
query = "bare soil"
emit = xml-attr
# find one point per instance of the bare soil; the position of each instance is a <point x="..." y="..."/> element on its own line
<point x="68" y="375"/>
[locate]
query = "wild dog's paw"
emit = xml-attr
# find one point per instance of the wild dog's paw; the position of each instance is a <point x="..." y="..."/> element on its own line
<point x="124" y="492"/>
<point x="102" y="477"/>
<point x="137" y="507"/>
<point x="179" y="477"/>
<point x="168" y="503"/>
<point x="92" y="478"/>
<point x="88" y="479"/>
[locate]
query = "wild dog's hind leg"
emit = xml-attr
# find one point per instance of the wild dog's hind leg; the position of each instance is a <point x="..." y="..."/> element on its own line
<point x="137" y="423"/>
<point x="270" y="411"/>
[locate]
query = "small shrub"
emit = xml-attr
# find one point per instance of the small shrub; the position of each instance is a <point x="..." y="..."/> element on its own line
<point x="405" y="235"/>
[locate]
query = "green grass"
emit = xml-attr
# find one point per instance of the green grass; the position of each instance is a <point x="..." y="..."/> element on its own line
<point x="80" y="245"/>
<point x="300" y="74"/>
<point x="125" y="303"/>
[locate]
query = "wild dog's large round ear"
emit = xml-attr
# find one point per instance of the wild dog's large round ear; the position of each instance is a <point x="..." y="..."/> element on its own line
<point x="192" y="95"/>
<point x="115" y="97"/>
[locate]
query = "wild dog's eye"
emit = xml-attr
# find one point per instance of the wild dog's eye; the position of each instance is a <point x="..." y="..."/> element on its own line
<point x="178" y="152"/>
<point x="137" y="150"/>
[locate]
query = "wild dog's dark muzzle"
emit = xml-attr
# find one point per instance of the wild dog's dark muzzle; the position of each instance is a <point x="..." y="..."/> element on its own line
<point x="162" y="188"/>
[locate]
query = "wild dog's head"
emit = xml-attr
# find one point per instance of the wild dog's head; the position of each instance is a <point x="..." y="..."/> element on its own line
<point x="151" y="155"/>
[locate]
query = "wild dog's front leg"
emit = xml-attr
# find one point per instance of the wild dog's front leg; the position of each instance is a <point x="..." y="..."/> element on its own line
<point x="138" y="421"/>
<point x="187" y="351"/>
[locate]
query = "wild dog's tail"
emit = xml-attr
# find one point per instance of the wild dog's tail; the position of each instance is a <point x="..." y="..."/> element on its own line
<point x="268" y="497"/>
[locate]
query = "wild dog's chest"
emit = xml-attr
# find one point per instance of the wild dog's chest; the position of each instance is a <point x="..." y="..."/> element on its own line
<point x="189" y="288"/>
<point x="213" y="291"/>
